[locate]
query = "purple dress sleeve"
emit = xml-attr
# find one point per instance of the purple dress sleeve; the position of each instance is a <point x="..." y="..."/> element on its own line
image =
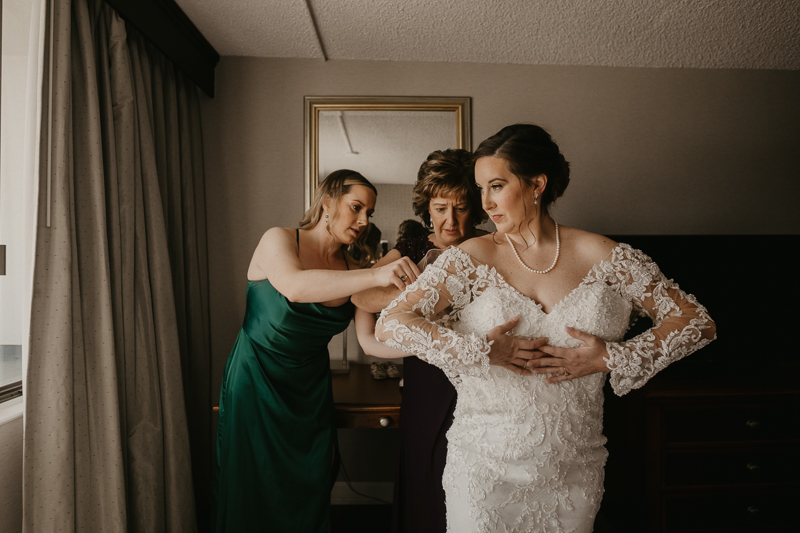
<point x="414" y="248"/>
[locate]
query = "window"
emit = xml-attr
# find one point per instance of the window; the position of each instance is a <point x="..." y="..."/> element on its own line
<point x="18" y="111"/>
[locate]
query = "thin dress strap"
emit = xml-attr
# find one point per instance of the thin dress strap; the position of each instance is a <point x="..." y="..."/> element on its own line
<point x="344" y="252"/>
<point x="347" y="264"/>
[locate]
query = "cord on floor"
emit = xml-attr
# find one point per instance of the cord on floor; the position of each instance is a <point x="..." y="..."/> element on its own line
<point x="350" y="486"/>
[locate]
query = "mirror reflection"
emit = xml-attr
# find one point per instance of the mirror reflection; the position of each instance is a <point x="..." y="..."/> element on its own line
<point x="386" y="139"/>
<point x="387" y="147"/>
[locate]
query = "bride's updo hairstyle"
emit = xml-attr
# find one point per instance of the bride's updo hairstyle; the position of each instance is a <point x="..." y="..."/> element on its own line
<point x="337" y="184"/>
<point x="530" y="151"/>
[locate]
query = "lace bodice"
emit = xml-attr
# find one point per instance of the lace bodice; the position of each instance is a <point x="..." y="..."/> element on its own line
<point x="525" y="455"/>
<point x="444" y="316"/>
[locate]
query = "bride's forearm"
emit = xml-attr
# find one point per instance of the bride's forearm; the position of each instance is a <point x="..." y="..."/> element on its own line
<point x="456" y="354"/>
<point x="365" y="331"/>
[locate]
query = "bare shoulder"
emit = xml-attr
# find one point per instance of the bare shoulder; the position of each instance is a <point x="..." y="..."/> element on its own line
<point x="481" y="248"/>
<point x="274" y="243"/>
<point x="276" y="239"/>
<point x="278" y="235"/>
<point x="590" y="247"/>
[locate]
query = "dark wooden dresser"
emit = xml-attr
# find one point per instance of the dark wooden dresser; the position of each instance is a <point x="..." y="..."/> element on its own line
<point x="724" y="456"/>
<point x="363" y="402"/>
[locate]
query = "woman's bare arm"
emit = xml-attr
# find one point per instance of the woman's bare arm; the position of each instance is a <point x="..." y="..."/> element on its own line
<point x="365" y="331"/>
<point x="276" y="258"/>
<point x="375" y="299"/>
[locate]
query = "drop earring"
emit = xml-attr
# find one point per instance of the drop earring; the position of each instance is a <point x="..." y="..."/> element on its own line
<point x="327" y="223"/>
<point x="536" y="199"/>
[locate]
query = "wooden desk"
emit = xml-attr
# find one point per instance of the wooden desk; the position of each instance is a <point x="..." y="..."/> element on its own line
<point x="363" y="402"/>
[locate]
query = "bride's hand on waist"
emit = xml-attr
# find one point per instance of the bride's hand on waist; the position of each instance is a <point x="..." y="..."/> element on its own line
<point x="512" y="352"/>
<point x="569" y="363"/>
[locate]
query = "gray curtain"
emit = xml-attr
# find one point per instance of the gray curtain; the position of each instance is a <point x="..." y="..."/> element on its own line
<point x="119" y="322"/>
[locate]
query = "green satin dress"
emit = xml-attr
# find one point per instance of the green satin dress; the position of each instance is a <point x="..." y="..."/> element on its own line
<point x="276" y="435"/>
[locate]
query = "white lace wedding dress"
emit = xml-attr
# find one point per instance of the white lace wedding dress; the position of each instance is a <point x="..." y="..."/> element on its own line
<point x="525" y="455"/>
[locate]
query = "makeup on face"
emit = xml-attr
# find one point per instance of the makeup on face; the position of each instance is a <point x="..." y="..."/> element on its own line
<point x="450" y="218"/>
<point x="501" y="193"/>
<point x="353" y="213"/>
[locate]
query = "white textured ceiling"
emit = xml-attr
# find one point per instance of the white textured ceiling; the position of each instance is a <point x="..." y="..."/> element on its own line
<point x="752" y="34"/>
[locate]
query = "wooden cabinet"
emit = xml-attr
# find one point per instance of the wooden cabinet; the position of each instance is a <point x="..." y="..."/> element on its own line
<point x="722" y="457"/>
<point x="364" y="402"/>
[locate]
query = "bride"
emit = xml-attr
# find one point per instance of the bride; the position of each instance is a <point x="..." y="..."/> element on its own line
<point x="526" y="451"/>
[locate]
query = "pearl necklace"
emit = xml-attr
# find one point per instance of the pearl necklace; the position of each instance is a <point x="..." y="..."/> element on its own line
<point x="529" y="269"/>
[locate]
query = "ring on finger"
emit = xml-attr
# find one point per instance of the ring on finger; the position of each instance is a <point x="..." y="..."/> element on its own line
<point x="565" y="372"/>
<point x="403" y="279"/>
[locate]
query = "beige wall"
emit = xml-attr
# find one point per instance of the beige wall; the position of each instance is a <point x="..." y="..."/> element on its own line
<point x="661" y="151"/>
<point x="652" y="150"/>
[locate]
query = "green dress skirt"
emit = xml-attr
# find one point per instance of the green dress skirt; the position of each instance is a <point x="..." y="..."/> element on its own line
<point x="276" y="435"/>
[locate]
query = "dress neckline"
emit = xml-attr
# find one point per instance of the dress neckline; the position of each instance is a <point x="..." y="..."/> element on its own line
<point x="318" y="304"/>
<point x="297" y="238"/>
<point x="584" y="282"/>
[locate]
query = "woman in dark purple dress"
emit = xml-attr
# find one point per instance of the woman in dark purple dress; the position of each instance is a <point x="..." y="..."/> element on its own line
<point x="448" y="202"/>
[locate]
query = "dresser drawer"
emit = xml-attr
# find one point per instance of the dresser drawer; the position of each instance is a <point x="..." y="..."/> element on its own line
<point x="731" y="467"/>
<point x="732" y="511"/>
<point x="740" y="422"/>
<point x="375" y="418"/>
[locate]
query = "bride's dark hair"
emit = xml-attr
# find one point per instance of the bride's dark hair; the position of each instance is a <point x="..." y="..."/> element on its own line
<point x="529" y="151"/>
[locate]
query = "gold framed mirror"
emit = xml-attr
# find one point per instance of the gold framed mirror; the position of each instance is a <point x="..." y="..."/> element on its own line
<point x="386" y="139"/>
<point x="382" y="137"/>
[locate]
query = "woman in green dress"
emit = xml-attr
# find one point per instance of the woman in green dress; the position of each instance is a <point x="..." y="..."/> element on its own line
<point x="276" y="435"/>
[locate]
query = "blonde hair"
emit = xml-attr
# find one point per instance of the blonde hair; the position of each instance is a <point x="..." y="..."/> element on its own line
<point x="336" y="185"/>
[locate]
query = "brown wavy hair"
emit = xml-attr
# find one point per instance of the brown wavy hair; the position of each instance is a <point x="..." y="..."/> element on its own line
<point x="447" y="174"/>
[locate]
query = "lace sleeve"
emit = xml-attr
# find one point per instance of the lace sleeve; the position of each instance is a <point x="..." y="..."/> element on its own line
<point x="419" y="320"/>
<point x="680" y="324"/>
